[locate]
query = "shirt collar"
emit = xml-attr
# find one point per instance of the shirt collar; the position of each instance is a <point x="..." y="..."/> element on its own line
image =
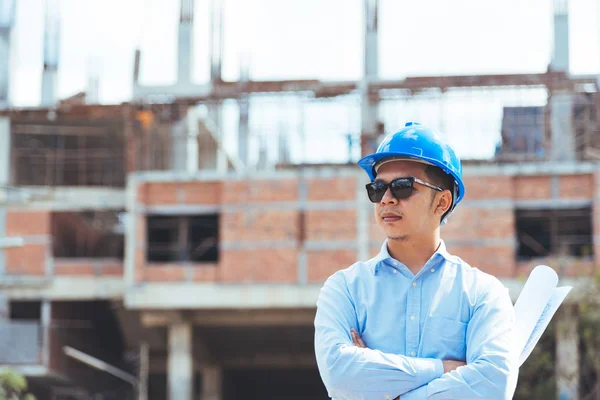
<point x="384" y="256"/>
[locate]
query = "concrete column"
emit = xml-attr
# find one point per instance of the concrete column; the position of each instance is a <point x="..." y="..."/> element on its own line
<point x="184" y="42"/>
<point x="363" y="218"/>
<point x="46" y="320"/>
<point x="560" y="53"/>
<point x="4" y="308"/>
<point x="4" y="151"/>
<point x="4" y="181"/>
<point x="212" y="385"/>
<point x="216" y="40"/>
<point x="180" y="368"/>
<point x="51" y="54"/>
<point x="567" y="353"/>
<point x="370" y="105"/>
<point x="7" y="16"/>
<point x="302" y="255"/>
<point x="561" y="127"/>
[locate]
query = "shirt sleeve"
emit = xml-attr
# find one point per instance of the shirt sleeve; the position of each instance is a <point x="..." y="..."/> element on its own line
<point x="351" y="372"/>
<point x="492" y="369"/>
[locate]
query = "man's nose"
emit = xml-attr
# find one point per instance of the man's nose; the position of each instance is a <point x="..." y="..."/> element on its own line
<point x="388" y="198"/>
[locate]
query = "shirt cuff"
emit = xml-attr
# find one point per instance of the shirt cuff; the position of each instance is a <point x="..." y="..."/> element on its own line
<point x="417" y="394"/>
<point x="428" y="370"/>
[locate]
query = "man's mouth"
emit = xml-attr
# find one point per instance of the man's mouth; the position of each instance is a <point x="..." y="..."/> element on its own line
<point x="390" y="217"/>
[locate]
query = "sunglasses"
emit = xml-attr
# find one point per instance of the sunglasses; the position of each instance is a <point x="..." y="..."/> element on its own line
<point x="401" y="188"/>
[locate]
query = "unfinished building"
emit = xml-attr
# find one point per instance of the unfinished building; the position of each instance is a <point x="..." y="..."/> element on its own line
<point x="136" y="235"/>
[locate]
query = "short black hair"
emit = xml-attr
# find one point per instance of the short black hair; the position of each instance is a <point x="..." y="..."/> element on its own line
<point x="439" y="178"/>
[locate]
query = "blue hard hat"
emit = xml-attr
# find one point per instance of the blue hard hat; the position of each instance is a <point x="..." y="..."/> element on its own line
<point x="419" y="143"/>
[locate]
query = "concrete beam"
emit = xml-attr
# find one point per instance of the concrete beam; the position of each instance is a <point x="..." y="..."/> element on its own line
<point x="275" y="206"/>
<point x="29" y="370"/>
<point x="332" y="171"/>
<point x="218" y="296"/>
<point x="63" y="198"/>
<point x="232" y="318"/>
<point x="211" y="176"/>
<point x="193" y="94"/>
<point x="63" y="288"/>
<point x="221" y="296"/>
<point x="531" y="168"/>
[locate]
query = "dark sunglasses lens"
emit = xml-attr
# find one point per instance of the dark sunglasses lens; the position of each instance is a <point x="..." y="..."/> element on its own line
<point x="375" y="191"/>
<point x="401" y="188"/>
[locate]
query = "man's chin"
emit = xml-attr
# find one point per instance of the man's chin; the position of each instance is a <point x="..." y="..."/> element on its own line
<point x="397" y="237"/>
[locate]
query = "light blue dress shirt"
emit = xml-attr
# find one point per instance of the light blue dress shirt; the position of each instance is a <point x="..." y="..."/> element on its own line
<point x="410" y="323"/>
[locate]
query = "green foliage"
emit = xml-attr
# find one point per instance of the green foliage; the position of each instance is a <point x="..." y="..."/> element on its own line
<point x="13" y="386"/>
<point x="589" y="344"/>
<point x="536" y="376"/>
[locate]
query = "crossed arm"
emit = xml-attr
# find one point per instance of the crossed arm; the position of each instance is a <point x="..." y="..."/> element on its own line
<point x="350" y="371"/>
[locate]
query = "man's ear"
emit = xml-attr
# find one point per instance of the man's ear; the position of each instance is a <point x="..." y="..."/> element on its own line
<point x="444" y="202"/>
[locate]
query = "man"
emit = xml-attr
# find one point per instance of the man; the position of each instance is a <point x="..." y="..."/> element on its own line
<point x="414" y="322"/>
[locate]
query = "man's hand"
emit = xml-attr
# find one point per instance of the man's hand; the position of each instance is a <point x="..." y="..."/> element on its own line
<point x="451" y="365"/>
<point x="358" y="342"/>
<point x="356" y="339"/>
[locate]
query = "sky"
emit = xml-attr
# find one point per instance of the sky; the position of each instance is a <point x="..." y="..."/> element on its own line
<point x="303" y="39"/>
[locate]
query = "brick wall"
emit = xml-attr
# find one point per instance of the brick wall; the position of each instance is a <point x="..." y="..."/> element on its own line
<point x="264" y="226"/>
<point x="279" y="229"/>
<point x="35" y="258"/>
<point x="34" y="228"/>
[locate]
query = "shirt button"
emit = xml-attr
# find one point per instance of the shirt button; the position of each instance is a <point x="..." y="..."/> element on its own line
<point x="412" y="353"/>
<point x="387" y="396"/>
<point x="432" y="269"/>
<point x="395" y="271"/>
<point x="414" y="284"/>
<point x="412" y="317"/>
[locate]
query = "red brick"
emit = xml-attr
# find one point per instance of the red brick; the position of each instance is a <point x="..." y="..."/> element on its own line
<point x="70" y="268"/>
<point x="339" y="189"/>
<point x="488" y="187"/>
<point x="469" y="223"/>
<point x="533" y="187"/>
<point x="26" y="260"/>
<point x="206" y="273"/>
<point x="160" y="193"/>
<point x="577" y="186"/>
<point x="164" y="273"/>
<point x="496" y="260"/>
<point x="112" y="269"/>
<point x="27" y="223"/>
<point x="274" y="190"/>
<point x="272" y="265"/>
<point x="139" y="262"/>
<point x="330" y="224"/>
<point x="570" y="268"/>
<point x="208" y="193"/>
<point x="322" y="264"/>
<point x="140" y="229"/>
<point x="259" y="225"/>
